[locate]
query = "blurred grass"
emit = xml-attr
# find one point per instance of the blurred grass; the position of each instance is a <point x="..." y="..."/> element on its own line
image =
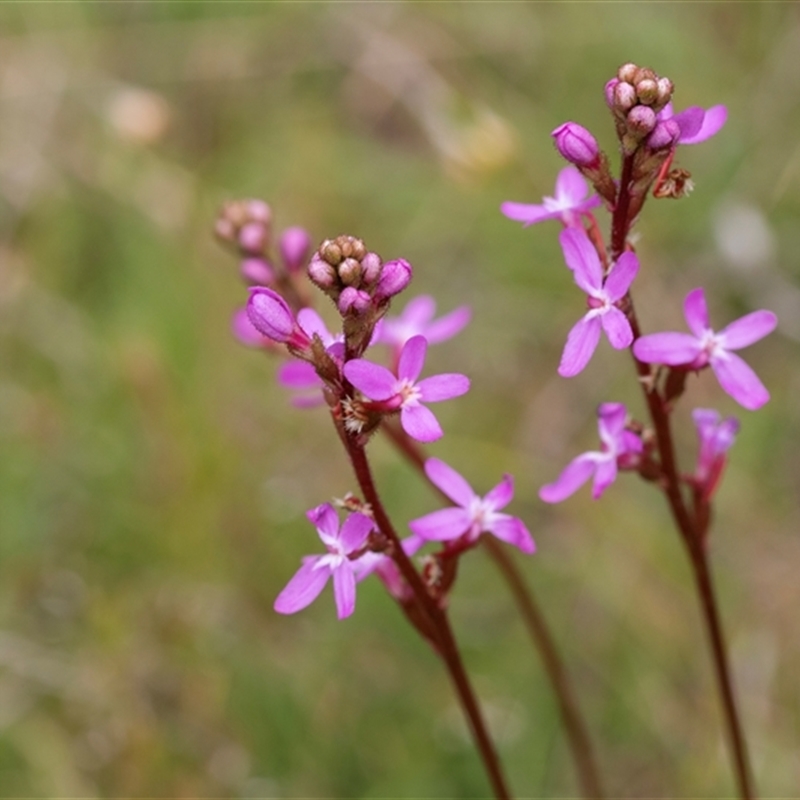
<point x="153" y="478"/>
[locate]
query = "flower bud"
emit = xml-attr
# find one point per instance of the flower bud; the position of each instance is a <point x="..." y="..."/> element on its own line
<point x="647" y="91"/>
<point x="321" y="273"/>
<point x="624" y="96"/>
<point x="665" y="89"/>
<point x="258" y="211"/>
<point x="270" y="314"/>
<point x="257" y="271"/>
<point x="395" y="276"/>
<point x="253" y="237"/>
<point x="609" y="91"/>
<point x="371" y="268"/>
<point x="643" y="74"/>
<point x="353" y="301"/>
<point x="576" y="144"/>
<point x="350" y="272"/>
<point x="294" y="246"/>
<point x="640" y="121"/>
<point x="627" y="72"/>
<point x="665" y="134"/>
<point x="331" y="252"/>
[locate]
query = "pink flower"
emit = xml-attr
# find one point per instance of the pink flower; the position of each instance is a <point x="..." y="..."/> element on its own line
<point x="569" y="203"/>
<point x="416" y="319"/>
<point x="603" y="297"/>
<point x="403" y="392"/>
<point x="618" y="448"/>
<point x="716" y="437"/>
<point x="696" y="124"/>
<point x="311" y="578"/>
<point x="703" y="347"/>
<point x="474" y="515"/>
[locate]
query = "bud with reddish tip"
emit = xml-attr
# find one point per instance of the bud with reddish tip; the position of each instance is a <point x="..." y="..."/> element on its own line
<point x="608" y="91"/>
<point x="624" y="97"/>
<point x="627" y="72"/>
<point x="640" y="121"/>
<point x="294" y="246"/>
<point x="647" y="91"/>
<point x="371" y="268"/>
<point x="576" y="144"/>
<point x="395" y="276"/>
<point x="321" y="273"/>
<point x="257" y="271"/>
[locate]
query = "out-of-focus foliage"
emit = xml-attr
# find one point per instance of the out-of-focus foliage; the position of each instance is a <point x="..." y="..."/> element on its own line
<point x="153" y="478"/>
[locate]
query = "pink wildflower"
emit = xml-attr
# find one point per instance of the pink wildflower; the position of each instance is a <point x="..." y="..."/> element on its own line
<point x="416" y="319"/>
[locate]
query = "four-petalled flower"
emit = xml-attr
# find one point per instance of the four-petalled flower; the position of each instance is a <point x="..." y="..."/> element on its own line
<point x="603" y="297"/>
<point x="569" y="203"/>
<point x="311" y="578"/>
<point x="474" y="514"/>
<point x="402" y="392"/>
<point x="619" y="447"/>
<point x="703" y="347"/>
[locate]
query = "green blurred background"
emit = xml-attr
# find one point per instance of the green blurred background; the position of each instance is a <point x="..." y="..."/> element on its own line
<point x="153" y="478"/>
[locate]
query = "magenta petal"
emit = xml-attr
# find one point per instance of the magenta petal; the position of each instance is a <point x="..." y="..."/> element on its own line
<point x="713" y="120"/>
<point x="419" y="311"/>
<point x="617" y="328"/>
<point x="344" y="590"/>
<point x="695" y="311"/>
<point x="412" y="358"/>
<point x="739" y="381"/>
<point x="621" y="277"/>
<point x="420" y="424"/>
<point x="581" y="343"/>
<point x="449" y="325"/>
<point x="245" y="331"/>
<point x="527" y="212"/>
<point x="513" y="531"/>
<point x="375" y="381"/>
<point x="748" y="329"/>
<point x="611" y="420"/>
<point x="443" y="387"/>
<point x="690" y="121"/>
<point x="312" y="323"/>
<point x="325" y="519"/>
<point x="582" y="259"/>
<point x="571" y="187"/>
<point x="667" y="348"/>
<point x="605" y="475"/>
<point x="354" y="531"/>
<point x="270" y="314"/>
<point x="502" y="494"/>
<point x="442" y="525"/>
<point x="450" y="482"/>
<point x="298" y="375"/>
<point x="303" y="588"/>
<point x="575" y="474"/>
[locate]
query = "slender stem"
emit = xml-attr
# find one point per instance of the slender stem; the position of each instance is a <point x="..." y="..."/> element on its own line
<point x="447" y="644"/>
<point x="544" y="642"/>
<point x="687" y="524"/>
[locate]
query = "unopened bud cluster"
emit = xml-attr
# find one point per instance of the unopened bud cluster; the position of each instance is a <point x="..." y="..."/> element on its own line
<point x="636" y="96"/>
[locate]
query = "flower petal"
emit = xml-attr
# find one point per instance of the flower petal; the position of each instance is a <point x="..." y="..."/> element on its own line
<point x="354" y="531"/>
<point x="690" y="121"/>
<point x="449" y="325"/>
<point x="695" y="311"/>
<point x="420" y="424"/>
<point x="502" y="494"/>
<point x="617" y="328"/>
<point x="442" y="525"/>
<point x="312" y="323"/>
<point x="667" y="348"/>
<point x="571" y="187"/>
<point x="443" y="387"/>
<point x="574" y="475"/>
<point x="298" y="375"/>
<point x="419" y="311"/>
<point x="325" y="519"/>
<point x="739" y="381"/>
<point x="581" y="343"/>
<point x="344" y="590"/>
<point x="450" y="482"/>
<point x="605" y="475"/>
<point x="713" y="120"/>
<point x="513" y="531"/>
<point x="303" y="588"/>
<point x="412" y="358"/>
<point x="611" y="421"/>
<point x="375" y="381"/>
<point x="621" y="277"/>
<point x="747" y="329"/>
<point x="582" y="259"/>
<point x="528" y="213"/>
